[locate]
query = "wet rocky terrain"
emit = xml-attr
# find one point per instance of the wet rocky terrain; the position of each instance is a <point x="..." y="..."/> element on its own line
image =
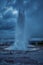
<point x="18" y="57"/>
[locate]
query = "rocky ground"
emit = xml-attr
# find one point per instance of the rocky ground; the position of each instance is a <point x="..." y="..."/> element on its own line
<point x="17" y="57"/>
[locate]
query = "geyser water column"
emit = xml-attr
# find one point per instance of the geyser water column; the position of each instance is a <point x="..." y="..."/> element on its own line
<point x="20" y="30"/>
<point x="19" y="43"/>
